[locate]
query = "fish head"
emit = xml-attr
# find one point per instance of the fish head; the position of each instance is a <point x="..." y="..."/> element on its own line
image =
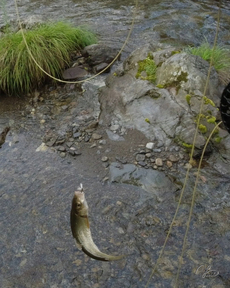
<point x="79" y="204"/>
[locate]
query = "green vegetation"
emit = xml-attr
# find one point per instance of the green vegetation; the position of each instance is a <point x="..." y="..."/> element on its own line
<point x="50" y="44"/>
<point x="186" y="145"/>
<point x="220" y="55"/>
<point x="161" y="86"/>
<point x="218" y="139"/>
<point x="149" y="67"/>
<point x="188" y="98"/>
<point x="211" y="119"/>
<point x="208" y="101"/>
<point x="202" y="128"/>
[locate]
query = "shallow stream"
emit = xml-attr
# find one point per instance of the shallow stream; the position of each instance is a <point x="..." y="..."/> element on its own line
<point x="36" y="187"/>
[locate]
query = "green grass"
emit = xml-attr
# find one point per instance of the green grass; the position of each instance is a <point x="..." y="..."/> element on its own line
<point x="50" y="44"/>
<point x="221" y="55"/>
<point x="149" y="67"/>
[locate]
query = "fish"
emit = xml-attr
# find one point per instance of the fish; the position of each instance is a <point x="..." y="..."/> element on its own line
<point x="225" y="107"/>
<point x="80" y="228"/>
<point x="3" y="135"/>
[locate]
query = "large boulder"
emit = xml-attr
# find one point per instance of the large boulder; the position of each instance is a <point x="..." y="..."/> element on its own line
<point x="165" y="110"/>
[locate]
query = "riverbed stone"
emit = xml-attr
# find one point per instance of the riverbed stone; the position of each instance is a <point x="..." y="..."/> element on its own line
<point x="150" y="145"/>
<point x="159" y="162"/>
<point x="150" y="180"/>
<point x="140" y="157"/>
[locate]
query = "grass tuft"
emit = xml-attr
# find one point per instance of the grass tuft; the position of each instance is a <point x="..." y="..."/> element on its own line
<point x="220" y="55"/>
<point x="50" y="44"/>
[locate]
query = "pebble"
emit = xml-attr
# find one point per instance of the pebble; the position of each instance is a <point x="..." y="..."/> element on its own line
<point x="114" y="127"/>
<point x="61" y="148"/>
<point x="157" y="150"/>
<point x="104" y="159"/>
<point x="159" y="162"/>
<point x="150" y="145"/>
<point x="94" y="145"/>
<point x="62" y="154"/>
<point x="87" y="138"/>
<point x="142" y="163"/>
<point x="173" y="158"/>
<point x="169" y="164"/>
<point x="121" y="159"/>
<point x="140" y="157"/>
<point x="96" y="136"/>
<point x="69" y="144"/>
<point x="148" y="155"/>
<point x="64" y="107"/>
<point x="77" y="134"/>
<point x="102" y="142"/>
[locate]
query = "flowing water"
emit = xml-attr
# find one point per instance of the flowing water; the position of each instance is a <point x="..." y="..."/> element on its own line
<point x="36" y="246"/>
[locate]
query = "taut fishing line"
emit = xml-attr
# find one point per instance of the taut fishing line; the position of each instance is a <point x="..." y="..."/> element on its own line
<point x="79" y="81"/>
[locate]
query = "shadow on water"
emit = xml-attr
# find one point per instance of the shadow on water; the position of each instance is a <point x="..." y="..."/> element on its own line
<point x="37" y="248"/>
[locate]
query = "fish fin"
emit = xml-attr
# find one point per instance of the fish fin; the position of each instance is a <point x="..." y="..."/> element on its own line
<point x="79" y="246"/>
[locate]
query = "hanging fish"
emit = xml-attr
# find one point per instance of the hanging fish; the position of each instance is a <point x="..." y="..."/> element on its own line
<point x="80" y="228"/>
<point x="225" y="107"/>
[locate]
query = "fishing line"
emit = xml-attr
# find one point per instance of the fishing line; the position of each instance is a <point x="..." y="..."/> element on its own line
<point x="203" y="151"/>
<point x="79" y="81"/>
<point x="187" y="174"/>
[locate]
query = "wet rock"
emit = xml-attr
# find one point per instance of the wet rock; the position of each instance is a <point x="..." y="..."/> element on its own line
<point x="173" y="158"/>
<point x="142" y="163"/>
<point x="102" y="142"/>
<point x="169" y="164"/>
<point x="97" y="53"/>
<point x="51" y="141"/>
<point x="42" y="148"/>
<point x="114" y="127"/>
<point x="104" y="159"/>
<point x="74" y="73"/>
<point x="69" y="144"/>
<point x="159" y="162"/>
<point x="61" y="148"/>
<point x="74" y="152"/>
<point x="157" y="150"/>
<point x="140" y="157"/>
<point x="87" y="138"/>
<point x="121" y="159"/>
<point x="77" y="134"/>
<point x="150" y="180"/>
<point x="60" y="140"/>
<point x="135" y="100"/>
<point x="113" y="136"/>
<point x="150" y="145"/>
<point x="148" y="155"/>
<point x="98" y="68"/>
<point x="62" y="154"/>
<point x="96" y="136"/>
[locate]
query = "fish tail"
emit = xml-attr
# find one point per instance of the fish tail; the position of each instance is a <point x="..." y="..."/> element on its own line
<point x="225" y="107"/>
